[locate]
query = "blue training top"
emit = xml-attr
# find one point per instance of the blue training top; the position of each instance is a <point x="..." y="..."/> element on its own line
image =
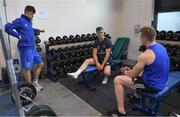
<point x="22" y="27"/>
<point x="156" y="74"/>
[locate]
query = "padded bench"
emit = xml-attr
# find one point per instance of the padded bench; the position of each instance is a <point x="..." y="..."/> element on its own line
<point x="90" y="72"/>
<point x="152" y="106"/>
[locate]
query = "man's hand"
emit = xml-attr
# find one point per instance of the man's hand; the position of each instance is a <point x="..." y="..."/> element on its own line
<point x="102" y="67"/>
<point x="42" y="30"/>
<point x="98" y="66"/>
<point x="123" y="69"/>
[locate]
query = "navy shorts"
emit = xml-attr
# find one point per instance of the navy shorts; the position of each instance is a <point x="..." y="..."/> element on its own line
<point x="29" y="57"/>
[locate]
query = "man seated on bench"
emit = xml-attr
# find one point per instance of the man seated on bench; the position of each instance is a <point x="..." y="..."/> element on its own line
<point x="154" y="63"/>
<point x="101" y="56"/>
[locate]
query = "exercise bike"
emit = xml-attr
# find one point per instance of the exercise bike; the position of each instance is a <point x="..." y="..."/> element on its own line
<point x="22" y="93"/>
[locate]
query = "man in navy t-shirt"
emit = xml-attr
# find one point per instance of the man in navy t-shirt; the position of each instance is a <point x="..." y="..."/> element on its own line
<point x="101" y="56"/>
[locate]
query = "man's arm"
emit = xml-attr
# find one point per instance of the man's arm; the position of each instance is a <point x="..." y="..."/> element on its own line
<point x="138" y="68"/>
<point x="95" y="56"/>
<point x="106" y="58"/>
<point x="12" y="28"/>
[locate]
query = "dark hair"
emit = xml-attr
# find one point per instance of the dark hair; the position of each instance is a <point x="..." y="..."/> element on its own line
<point x="149" y="33"/>
<point x="29" y="8"/>
<point x="99" y="29"/>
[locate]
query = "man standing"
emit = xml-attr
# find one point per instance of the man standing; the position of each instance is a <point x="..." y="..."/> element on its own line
<point x="21" y="28"/>
<point x="101" y="56"/>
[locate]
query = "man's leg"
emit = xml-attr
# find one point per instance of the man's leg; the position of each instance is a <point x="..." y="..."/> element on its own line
<point x="36" y="71"/>
<point x="27" y="75"/>
<point x="38" y="64"/>
<point x="107" y="73"/>
<point x="119" y="83"/>
<point x="86" y="63"/>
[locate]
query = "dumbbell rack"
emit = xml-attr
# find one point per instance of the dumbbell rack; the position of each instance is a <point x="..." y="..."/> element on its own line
<point x="171" y="40"/>
<point x="52" y="74"/>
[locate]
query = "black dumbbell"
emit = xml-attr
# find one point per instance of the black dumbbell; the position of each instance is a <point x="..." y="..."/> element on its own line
<point x="107" y="36"/>
<point x="163" y="35"/>
<point x="77" y="38"/>
<point x="37" y="33"/>
<point x="170" y="35"/>
<point x="38" y="48"/>
<point x="178" y="51"/>
<point x="72" y="39"/>
<point x="89" y="37"/>
<point x="65" y="40"/>
<point x="83" y="37"/>
<point x="51" y="41"/>
<point x="158" y="35"/>
<point x="37" y="40"/>
<point x="52" y="52"/>
<point x="94" y="36"/>
<point x="58" y="40"/>
<point x="142" y="48"/>
<point x="177" y="36"/>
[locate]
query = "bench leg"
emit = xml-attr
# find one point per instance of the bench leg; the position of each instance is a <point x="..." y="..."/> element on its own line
<point x="150" y="107"/>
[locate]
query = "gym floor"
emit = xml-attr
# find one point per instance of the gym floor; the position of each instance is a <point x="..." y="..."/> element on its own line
<point x="59" y="98"/>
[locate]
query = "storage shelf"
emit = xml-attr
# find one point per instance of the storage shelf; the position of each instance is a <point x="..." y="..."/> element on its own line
<point x="169" y="42"/>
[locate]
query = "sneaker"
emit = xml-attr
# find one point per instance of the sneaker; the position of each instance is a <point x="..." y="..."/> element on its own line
<point x="38" y="87"/>
<point x="115" y="112"/>
<point x="73" y="75"/>
<point x="105" y="80"/>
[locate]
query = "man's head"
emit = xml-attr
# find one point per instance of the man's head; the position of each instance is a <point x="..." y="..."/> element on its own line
<point x="147" y="35"/>
<point x="100" y="32"/>
<point x="29" y="12"/>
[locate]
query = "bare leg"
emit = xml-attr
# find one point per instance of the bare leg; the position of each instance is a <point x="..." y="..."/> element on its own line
<point x="86" y="63"/>
<point x="119" y="83"/>
<point x="27" y="75"/>
<point x="37" y="70"/>
<point x="107" y="73"/>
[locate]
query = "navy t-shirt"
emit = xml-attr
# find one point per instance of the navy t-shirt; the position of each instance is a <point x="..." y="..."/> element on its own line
<point x="101" y="47"/>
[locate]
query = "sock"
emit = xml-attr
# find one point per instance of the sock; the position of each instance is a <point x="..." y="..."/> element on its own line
<point x="35" y="80"/>
<point x="123" y="112"/>
<point x="79" y="71"/>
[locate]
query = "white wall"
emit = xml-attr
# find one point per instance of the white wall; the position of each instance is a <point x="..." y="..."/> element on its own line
<point x="135" y="12"/>
<point x="65" y="17"/>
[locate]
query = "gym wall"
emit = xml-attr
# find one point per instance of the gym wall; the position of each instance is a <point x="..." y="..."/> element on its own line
<point x="65" y="17"/>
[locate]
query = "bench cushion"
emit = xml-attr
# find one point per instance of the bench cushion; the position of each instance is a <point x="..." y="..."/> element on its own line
<point x="89" y="69"/>
<point x="173" y="81"/>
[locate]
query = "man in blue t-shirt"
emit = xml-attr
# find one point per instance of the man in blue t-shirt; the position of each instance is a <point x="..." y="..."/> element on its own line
<point x="21" y="28"/>
<point x="101" y="56"/>
<point x="154" y="65"/>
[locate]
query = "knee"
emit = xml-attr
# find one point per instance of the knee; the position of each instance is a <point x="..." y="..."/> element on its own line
<point x="118" y="80"/>
<point x="40" y="65"/>
<point x="107" y="72"/>
<point x="86" y="61"/>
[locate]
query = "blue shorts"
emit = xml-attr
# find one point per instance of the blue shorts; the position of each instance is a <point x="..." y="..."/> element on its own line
<point x="29" y="57"/>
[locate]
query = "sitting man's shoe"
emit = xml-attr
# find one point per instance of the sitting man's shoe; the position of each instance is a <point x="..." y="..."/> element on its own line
<point x="105" y="80"/>
<point x="73" y="75"/>
<point x="115" y="112"/>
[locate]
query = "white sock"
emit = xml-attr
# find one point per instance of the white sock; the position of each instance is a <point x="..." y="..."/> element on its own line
<point x="105" y="80"/>
<point x="79" y="71"/>
<point x="75" y="74"/>
<point x="35" y="80"/>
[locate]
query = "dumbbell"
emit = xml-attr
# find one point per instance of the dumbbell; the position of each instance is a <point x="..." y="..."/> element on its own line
<point x="142" y="48"/>
<point x="172" y="50"/>
<point x="38" y="48"/>
<point x="58" y="40"/>
<point x="72" y="39"/>
<point x="94" y="36"/>
<point x="177" y="36"/>
<point x="170" y="35"/>
<point x="37" y="33"/>
<point x="77" y="38"/>
<point x="107" y="36"/>
<point x="52" y="41"/>
<point x="158" y="35"/>
<point x="65" y="40"/>
<point x="52" y="52"/>
<point x="89" y="37"/>
<point x="83" y="37"/>
<point x="163" y="35"/>
<point x="37" y="40"/>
